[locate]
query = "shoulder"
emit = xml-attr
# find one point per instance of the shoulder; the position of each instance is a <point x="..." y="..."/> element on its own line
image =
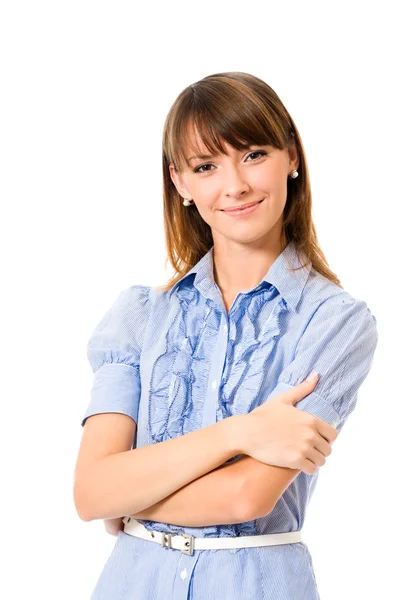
<point x="127" y="313"/>
<point x="134" y="296"/>
<point x="326" y="304"/>
<point x="319" y="289"/>
<point x="131" y="306"/>
<point x="323" y="296"/>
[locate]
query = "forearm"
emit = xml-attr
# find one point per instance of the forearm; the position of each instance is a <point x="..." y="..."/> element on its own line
<point x="213" y="499"/>
<point x="131" y="481"/>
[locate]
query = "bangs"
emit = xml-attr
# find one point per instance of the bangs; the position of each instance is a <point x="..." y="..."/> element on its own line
<point x="217" y="113"/>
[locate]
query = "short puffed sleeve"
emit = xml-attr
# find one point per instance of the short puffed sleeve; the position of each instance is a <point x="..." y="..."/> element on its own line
<point x="338" y="342"/>
<point x="113" y="351"/>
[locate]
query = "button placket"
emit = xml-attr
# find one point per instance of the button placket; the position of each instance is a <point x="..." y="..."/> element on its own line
<point x="184" y="571"/>
<point x="217" y="365"/>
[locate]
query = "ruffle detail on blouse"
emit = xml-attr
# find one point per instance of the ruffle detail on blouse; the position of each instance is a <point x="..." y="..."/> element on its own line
<point x="180" y="374"/>
<point x="117" y="337"/>
<point x="159" y="526"/>
<point x="234" y="530"/>
<point x="241" y="383"/>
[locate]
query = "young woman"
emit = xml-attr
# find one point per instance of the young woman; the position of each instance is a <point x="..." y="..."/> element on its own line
<point x="203" y="431"/>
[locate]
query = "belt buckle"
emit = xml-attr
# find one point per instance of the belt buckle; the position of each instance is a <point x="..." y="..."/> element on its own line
<point x="166" y="539"/>
<point x="189" y="544"/>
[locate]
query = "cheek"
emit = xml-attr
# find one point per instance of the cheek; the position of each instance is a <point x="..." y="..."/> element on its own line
<point x="206" y="211"/>
<point x="206" y="202"/>
<point x="269" y="177"/>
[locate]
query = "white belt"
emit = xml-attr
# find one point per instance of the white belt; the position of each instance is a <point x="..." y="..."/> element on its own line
<point x="188" y="543"/>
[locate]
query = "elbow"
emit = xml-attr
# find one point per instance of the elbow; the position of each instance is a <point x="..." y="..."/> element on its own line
<point x="250" y="509"/>
<point x="252" y="503"/>
<point x="81" y="503"/>
<point x="255" y="508"/>
<point x="86" y="494"/>
<point x="258" y="510"/>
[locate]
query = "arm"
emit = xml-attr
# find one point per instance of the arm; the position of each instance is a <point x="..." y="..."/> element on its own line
<point x="190" y="505"/>
<point x="112" y="481"/>
<point x="113" y="525"/>
<point x="215" y="498"/>
<point x="264" y="485"/>
<point x="339" y="343"/>
<point x="210" y="499"/>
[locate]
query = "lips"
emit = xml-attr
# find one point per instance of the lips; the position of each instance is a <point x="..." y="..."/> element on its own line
<point x="241" y="207"/>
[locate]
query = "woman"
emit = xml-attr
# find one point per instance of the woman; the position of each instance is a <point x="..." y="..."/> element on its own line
<point x="202" y="377"/>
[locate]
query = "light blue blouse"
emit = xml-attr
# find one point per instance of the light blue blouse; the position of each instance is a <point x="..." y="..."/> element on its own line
<point x="177" y="361"/>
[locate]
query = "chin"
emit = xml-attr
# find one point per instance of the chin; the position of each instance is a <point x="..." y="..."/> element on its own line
<point x="249" y="238"/>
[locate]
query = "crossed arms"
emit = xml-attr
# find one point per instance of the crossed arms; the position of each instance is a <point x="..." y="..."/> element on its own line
<point x="233" y="493"/>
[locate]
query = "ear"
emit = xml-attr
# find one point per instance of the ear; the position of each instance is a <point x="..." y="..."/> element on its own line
<point x="293" y="156"/>
<point x="178" y="182"/>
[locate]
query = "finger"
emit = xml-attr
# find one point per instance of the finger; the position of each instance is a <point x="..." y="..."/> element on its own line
<point x="308" y="467"/>
<point x="316" y="457"/>
<point x="327" y="431"/>
<point x="323" y="446"/>
<point x="299" y="392"/>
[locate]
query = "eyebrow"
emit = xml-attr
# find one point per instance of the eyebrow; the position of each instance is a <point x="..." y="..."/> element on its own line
<point x="202" y="157"/>
<point x="208" y="156"/>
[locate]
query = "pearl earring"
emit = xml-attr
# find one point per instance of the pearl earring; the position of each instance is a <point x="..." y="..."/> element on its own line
<point x="294" y="174"/>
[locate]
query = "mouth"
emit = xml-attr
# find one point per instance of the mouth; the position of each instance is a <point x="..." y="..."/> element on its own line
<point x="243" y="210"/>
<point x="234" y="208"/>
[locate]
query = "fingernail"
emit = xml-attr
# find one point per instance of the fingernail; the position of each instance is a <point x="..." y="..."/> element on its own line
<point x="312" y="376"/>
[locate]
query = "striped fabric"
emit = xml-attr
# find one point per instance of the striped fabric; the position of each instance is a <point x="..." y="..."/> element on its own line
<point x="176" y="361"/>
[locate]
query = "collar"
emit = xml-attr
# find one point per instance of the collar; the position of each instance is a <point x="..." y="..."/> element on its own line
<point x="290" y="284"/>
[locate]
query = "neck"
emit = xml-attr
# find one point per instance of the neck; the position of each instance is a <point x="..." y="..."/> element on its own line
<point x="239" y="267"/>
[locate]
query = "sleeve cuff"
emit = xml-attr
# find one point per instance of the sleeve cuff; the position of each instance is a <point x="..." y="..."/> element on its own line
<point x="313" y="404"/>
<point x="116" y="388"/>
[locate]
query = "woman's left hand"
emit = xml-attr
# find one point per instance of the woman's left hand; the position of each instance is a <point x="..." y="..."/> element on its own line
<point x="113" y="525"/>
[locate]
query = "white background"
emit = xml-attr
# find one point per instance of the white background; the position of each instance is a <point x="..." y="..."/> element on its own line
<point x="85" y="89"/>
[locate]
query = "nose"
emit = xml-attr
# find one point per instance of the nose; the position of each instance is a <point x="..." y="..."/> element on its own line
<point x="236" y="184"/>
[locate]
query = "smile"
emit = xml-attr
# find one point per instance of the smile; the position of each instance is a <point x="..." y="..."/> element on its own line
<point x="243" y="211"/>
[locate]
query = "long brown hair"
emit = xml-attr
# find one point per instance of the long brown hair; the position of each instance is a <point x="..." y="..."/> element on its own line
<point x="240" y="109"/>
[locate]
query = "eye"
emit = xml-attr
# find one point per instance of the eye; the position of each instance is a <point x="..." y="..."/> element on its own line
<point x="258" y="152"/>
<point x="197" y="169"/>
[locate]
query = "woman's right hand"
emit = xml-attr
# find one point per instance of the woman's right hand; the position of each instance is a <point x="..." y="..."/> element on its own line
<point x="276" y="434"/>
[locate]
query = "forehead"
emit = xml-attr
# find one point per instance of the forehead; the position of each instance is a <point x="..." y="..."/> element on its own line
<point x="194" y="145"/>
<point x="193" y="142"/>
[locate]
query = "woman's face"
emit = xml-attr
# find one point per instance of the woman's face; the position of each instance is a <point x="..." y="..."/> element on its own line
<point x="259" y="173"/>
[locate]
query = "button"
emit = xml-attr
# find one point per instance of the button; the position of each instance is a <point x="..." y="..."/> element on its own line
<point x="214" y="384"/>
<point x="184" y="574"/>
<point x="225" y="328"/>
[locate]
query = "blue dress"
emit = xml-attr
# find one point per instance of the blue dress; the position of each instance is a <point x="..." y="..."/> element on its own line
<point x="177" y="361"/>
